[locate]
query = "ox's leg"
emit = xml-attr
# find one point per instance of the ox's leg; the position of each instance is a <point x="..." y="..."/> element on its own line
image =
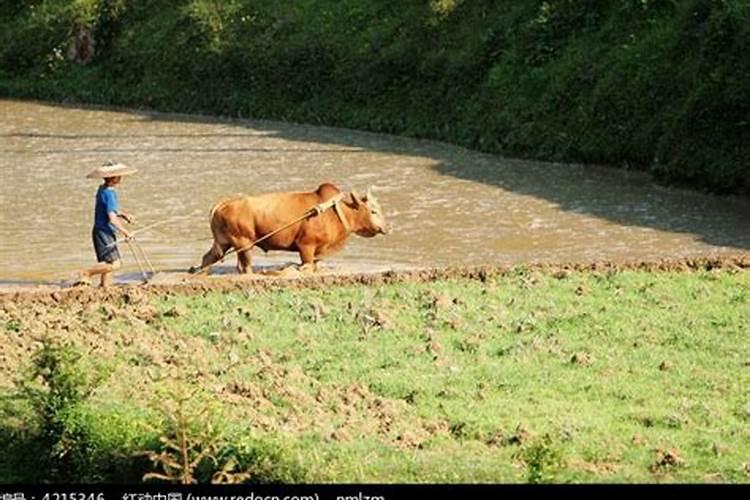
<point x="216" y="252"/>
<point x="307" y="254"/>
<point x="244" y="257"/>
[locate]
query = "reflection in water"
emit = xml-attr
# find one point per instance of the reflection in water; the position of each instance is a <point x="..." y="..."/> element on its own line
<point x="449" y="206"/>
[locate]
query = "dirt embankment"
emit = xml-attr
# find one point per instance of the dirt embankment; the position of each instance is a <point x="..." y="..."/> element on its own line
<point x="202" y="284"/>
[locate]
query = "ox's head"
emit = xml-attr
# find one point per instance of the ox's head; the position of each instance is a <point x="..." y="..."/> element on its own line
<point x="369" y="219"/>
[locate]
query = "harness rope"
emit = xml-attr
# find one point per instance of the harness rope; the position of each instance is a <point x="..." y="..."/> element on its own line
<point x="312" y="211"/>
<point x="138" y="261"/>
<point x="151" y="226"/>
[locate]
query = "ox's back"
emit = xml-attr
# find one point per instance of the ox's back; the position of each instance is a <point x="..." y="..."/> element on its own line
<point x="253" y="217"/>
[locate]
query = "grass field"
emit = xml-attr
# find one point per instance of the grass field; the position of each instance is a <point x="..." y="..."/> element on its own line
<point x="622" y="376"/>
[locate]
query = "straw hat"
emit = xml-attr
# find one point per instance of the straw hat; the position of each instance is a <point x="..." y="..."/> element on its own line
<point x="111" y="169"/>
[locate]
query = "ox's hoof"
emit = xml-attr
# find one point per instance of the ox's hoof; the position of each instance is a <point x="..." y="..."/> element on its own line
<point x="198" y="270"/>
<point x="308" y="268"/>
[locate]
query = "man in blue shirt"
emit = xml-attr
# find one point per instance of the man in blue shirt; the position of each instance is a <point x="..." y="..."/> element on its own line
<point x="108" y="221"/>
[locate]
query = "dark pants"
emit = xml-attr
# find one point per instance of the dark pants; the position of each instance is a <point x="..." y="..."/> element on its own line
<point x="105" y="246"/>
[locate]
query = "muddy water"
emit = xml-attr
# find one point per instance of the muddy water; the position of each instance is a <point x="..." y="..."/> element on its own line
<point x="449" y="206"/>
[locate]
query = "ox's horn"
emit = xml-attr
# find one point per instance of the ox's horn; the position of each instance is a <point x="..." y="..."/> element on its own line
<point x="356" y="197"/>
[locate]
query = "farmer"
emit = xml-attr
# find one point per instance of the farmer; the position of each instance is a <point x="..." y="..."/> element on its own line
<point x="107" y="221"/>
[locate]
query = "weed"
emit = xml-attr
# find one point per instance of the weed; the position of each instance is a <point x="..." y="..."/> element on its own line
<point x="193" y="450"/>
<point x="56" y="389"/>
<point x="185" y="443"/>
<point x="542" y="461"/>
<point x="13" y="326"/>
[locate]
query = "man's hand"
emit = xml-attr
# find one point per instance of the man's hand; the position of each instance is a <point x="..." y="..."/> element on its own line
<point x="126" y="217"/>
<point x="114" y="219"/>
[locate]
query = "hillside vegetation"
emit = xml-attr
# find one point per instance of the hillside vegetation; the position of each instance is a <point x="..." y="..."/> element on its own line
<point x="662" y="85"/>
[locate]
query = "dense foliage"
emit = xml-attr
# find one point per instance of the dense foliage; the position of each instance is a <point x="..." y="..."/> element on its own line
<point x="656" y="84"/>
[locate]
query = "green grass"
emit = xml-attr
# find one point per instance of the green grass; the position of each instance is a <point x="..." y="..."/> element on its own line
<point x="588" y="378"/>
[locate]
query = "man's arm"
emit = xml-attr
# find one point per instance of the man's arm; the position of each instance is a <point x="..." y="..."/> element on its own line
<point x="115" y="221"/>
<point x="112" y="205"/>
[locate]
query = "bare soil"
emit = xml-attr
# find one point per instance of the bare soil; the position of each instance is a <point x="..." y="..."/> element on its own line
<point x="190" y="284"/>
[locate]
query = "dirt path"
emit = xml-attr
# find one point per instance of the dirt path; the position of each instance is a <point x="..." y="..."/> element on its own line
<point x="188" y="284"/>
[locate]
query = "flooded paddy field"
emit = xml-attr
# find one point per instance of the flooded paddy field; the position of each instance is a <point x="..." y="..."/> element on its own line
<point x="449" y="206"/>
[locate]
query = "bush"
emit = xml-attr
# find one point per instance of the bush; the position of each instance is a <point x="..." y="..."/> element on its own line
<point x="44" y="418"/>
<point x="193" y="448"/>
<point x="53" y="432"/>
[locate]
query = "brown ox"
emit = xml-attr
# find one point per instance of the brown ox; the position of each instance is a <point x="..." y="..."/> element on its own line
<point x="239" y="222"/>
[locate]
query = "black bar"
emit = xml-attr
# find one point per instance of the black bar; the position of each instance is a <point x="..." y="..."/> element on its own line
<point x="356" y="491"/>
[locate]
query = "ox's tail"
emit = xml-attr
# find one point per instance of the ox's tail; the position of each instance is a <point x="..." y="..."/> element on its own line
<point x="217" y="222"/>
<point x="218" y="247"/>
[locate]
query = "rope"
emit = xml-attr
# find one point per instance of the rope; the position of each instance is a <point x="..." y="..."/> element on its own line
<point x="155" y="224"/>
<point x="145" y="257"/>
<point x="135" y="256"/>
<point x="134" y="245"/>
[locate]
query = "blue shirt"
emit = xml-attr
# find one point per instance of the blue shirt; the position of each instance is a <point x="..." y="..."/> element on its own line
<point x="106" y="202"/>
